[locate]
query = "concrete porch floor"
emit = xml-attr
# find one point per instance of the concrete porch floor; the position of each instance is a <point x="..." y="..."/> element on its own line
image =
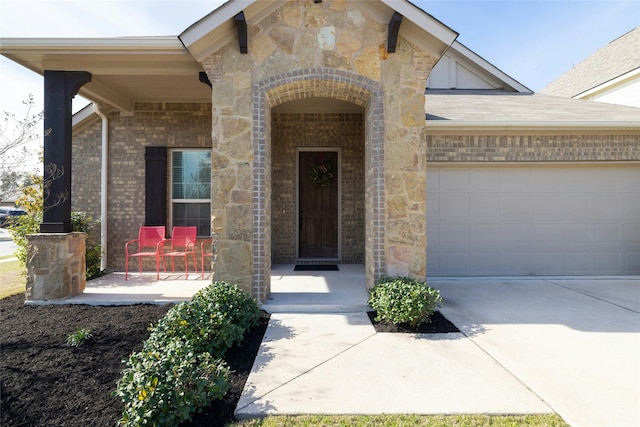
<point x="113" y="289"/>
<point x="291" y="291"/>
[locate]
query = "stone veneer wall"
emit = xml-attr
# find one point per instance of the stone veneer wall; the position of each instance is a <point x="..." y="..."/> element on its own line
<point x="55" y="266"/>
<point x="303" y="50"/>
<point x="291" y="131"/>
<point x="532" y="148"/>
<point x="152" y="124"/>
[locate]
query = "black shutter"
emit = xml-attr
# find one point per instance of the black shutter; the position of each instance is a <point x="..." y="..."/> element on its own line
<point x="155" y="180"/>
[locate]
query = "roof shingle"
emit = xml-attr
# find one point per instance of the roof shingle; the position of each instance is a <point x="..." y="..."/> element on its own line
<point x="613" y="60"/>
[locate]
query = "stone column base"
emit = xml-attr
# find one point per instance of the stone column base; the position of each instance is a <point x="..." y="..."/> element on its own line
<point x="56" y="266"/>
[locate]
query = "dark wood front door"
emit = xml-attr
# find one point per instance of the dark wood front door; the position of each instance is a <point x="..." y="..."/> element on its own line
<point x="318" y="202"/>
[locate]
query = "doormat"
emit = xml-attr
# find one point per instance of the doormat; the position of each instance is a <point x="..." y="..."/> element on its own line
<point x="316" y="267"/>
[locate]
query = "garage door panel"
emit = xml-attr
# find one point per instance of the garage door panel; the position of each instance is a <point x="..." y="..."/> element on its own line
<point x="577" y="207"/>
<point x="487" y="179"/>
<point x="484" y="236"/>
<point x="619" y="180"/>
<point x="484" y="205"/>
<point x="548" y="263"/>
<point x="631" y="262"/>
<point x="606" y="262"/>
<point x="631" y="206"/>
<point x="577" y="234"/>
<point x="454" y="179"/>
<point x="606" y="234"/>
<point x="577" y="262"/>
<point x="485" y="262"/>
<point x="433" y="207"/>
<point x="549" y="181"/>
<point x="534" y="219"/>
<point x="631" y="234"/>
<point x="579" y="180"/>
<point x="455" y="206"/>
<point x="607" y="206"/>
<point x="516" y="263"/>
<point x="516" y="206"/>
<point x="433" y="180"/>
<point x="515" y="235"/>
<point x="548" y="235"/>
<point x="454" y="235"/>
<point x="515" y="179"/>
<point x="547" y="205"/>
<point x="451" y="262"/>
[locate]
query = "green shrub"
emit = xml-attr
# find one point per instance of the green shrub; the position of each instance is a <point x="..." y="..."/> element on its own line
<point x="403" y="300"/>
<point x="167" y="386"/>
<point x="217" y="317"/>
<point x="180" y="368"/>
<point x="238" y="308"/>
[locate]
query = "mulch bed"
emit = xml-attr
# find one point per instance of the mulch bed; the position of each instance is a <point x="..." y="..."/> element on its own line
<point x="438" y="324"/>
<point x="45" y="382"/>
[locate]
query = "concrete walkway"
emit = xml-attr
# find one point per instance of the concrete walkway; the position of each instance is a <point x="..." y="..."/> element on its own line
<point x="527" y="346"/>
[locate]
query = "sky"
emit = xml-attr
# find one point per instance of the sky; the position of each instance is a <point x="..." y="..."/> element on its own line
<point x="533" y="41"/>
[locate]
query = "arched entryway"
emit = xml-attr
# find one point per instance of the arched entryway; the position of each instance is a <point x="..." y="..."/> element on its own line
<point x="325" y="84"/>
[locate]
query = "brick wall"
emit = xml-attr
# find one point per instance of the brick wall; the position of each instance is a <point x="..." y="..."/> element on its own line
<point x="152" y="124"/>
<point x="532" y="148"/>
<point x="291" y="131"/>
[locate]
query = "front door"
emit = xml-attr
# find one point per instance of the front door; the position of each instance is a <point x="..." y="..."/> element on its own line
<point x="318" y="204"/>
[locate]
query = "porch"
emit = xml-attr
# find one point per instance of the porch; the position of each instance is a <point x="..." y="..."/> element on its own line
<point x="292" y="291"/>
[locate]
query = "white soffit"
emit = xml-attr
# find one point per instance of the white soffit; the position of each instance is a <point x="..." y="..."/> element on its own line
<point x="124" y="70"/>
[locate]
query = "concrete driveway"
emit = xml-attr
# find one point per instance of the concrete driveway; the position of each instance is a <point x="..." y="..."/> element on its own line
<point x="532" y="345"/>
<point x="574" y="342"/>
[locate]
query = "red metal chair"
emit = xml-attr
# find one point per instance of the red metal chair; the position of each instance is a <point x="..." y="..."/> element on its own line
<point x="183" y="243"/>
<point x="204" y="253"/>
<point x="149" y="244"/>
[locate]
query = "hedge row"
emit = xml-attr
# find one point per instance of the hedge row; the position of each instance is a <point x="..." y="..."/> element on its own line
<point x="181" y="369"/>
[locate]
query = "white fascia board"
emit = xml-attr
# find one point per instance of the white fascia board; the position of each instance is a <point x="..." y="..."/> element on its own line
<point x="610" y="84"/>
<point x="218" y="29"/>
<point x="486" y="66"/>
<point x="90" y="45"/>
<point x="212" y="21"/>
<point x="86" y="113"/>
<point x="463" y="125"/>
<point x="425" y="21"/>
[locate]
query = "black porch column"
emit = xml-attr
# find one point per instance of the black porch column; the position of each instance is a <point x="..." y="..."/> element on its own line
<point x="59" y="89"/>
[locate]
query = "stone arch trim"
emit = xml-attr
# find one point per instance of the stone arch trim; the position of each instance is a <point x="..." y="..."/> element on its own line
<point x="307" y="83"/>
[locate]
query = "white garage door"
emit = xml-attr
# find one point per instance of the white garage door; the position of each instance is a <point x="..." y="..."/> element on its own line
<point x="533" y="220"/>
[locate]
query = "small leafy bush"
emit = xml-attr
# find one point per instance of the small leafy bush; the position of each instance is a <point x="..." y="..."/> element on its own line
<point x="180" y="369"/>
<point x="404" y="300"/>
<point x="166" y="386"/>
<point x="217" y="317"/>
<point x="79" y="337"/>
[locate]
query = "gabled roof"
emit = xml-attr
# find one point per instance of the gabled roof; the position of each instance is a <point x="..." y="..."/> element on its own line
<point x="501" y="110"/>
<point x="619" y="58"/>
<point x="161" y="69"/>
<point x="460" y="66"/>
<point x="218" y="28"/>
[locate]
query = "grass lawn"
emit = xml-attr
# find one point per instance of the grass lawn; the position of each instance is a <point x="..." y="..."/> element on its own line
<point x="542" y="420"/>
<point x="12" y="280"/>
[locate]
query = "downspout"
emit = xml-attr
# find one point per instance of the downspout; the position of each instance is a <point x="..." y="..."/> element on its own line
<point x="103" y="187"/>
